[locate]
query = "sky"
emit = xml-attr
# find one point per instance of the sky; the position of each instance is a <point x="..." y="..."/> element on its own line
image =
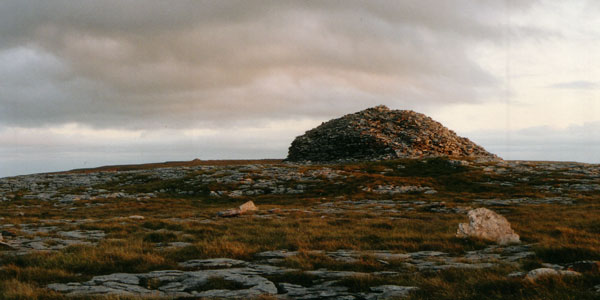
<point x="89" y="83"/>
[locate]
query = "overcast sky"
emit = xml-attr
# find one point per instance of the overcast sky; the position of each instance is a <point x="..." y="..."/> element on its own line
<point x="89" y="83"/>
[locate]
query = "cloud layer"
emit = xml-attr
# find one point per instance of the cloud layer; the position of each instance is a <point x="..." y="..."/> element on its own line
<point x="153" y="64"/>
<point x="85" y="83"/>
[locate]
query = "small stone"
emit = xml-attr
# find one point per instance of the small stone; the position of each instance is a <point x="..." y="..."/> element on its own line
<point x="488" y="225"/>
<point x="234" y="212"/>
<point x="248" y="206"/>
<point x="517" y="275"/>
<point x="136" y="217"/>
<point x="536" y="274"/>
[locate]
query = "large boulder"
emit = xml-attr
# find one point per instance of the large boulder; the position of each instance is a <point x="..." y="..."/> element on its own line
<point x="488" y="225"/>
<point x="380" y="133"/>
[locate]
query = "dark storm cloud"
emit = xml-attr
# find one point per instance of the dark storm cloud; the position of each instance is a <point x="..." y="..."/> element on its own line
<point x="149" y="64"/>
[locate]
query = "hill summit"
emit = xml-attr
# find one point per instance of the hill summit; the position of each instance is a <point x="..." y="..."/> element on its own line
<point x="381" y="133"/>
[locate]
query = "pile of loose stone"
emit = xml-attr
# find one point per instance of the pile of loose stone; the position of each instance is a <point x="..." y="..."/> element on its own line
<point x="381" y="133"/>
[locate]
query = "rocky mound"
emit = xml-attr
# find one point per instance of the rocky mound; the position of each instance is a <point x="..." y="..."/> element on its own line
<point x="381" y="133"/>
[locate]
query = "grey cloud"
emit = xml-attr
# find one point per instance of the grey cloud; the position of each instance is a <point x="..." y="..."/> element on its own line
<point x="577" y="85"/>
<point x="149" y="64"/>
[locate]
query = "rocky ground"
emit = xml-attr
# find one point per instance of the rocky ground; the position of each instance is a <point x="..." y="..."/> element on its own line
<point x="376" y="230"/>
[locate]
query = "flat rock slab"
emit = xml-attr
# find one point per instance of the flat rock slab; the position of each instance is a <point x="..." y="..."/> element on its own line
<point x="251" y="277"/>
<point x="171" y="283"/>
<point x="213" y="263"/>
<point x="526" y="201"/>
<point x="175" y="283"/>
<point x="83" y="234"/>
<point x="421" y="260"/>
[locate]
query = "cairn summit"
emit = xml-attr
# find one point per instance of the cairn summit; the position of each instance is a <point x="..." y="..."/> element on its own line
<point x="380" y="133"/>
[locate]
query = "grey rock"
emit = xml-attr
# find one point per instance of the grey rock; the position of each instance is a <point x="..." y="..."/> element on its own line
<point x="393" y="291"/>
<point x="171" y="283"/>
<point x="536" y="274"/>
<point x="212" y="263"/>
<point x="277" y="254"/>
<point x="83" y="234"/>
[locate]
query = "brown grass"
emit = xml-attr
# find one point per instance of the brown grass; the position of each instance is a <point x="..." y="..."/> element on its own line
<point x="561" y="233"/>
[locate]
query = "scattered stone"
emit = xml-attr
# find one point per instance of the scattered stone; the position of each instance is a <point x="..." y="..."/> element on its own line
<point x="136" y="217"/>
<point x="488" y="225"/>
<point x="393" y="190"/>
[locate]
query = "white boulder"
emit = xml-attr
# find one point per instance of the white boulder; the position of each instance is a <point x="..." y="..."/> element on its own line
<point x="248" y="206"/>
<point x="488" y="225"/>
<point x="536" y="274"/>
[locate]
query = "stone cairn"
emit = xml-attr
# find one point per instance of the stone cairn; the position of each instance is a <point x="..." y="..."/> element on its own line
<point x="379" y="133"/>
